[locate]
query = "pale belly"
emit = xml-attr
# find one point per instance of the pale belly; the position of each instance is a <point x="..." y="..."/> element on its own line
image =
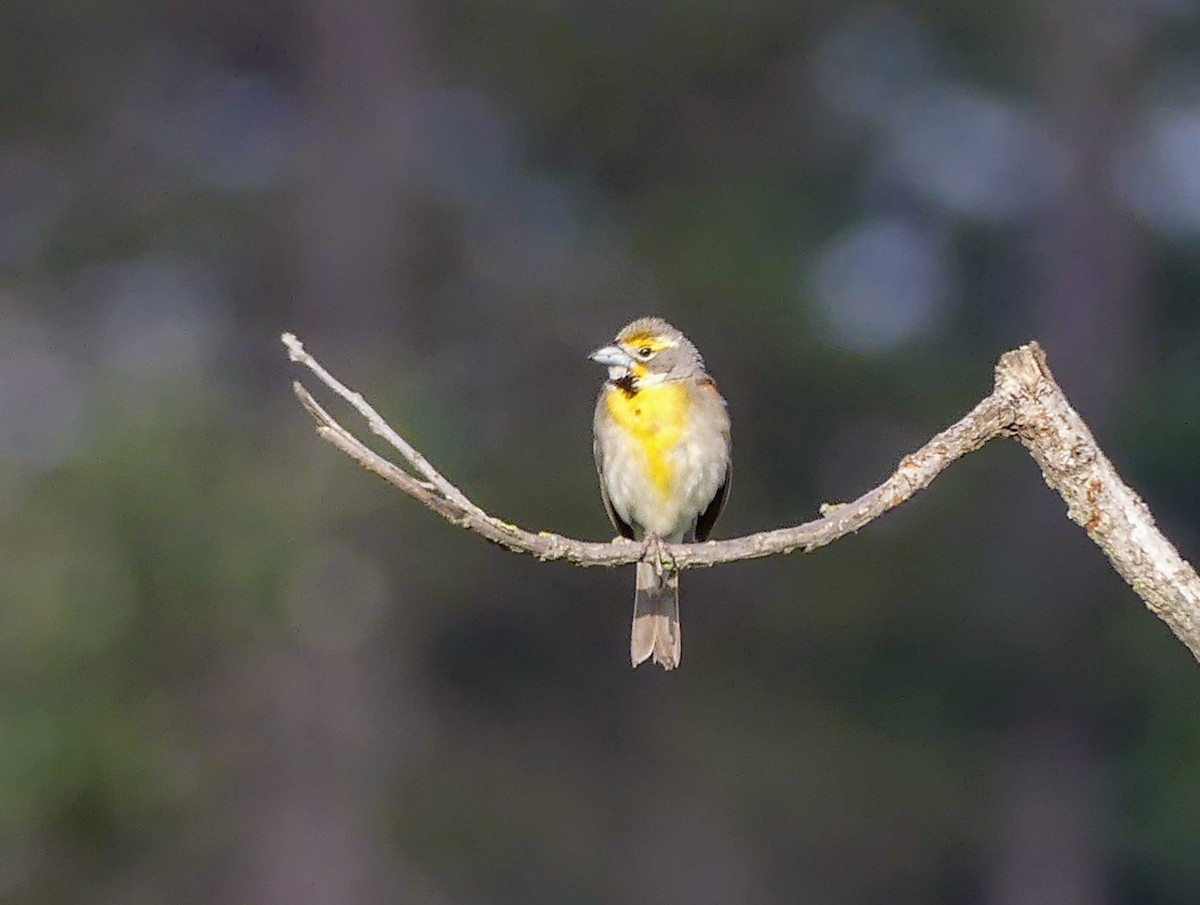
<point x="666" y="496"/>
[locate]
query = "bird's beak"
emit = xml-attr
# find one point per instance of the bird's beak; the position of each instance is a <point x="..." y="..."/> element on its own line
<point x="612" y="357"/>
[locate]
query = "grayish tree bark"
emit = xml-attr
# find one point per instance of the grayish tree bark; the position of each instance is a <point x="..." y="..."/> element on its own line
<point x="1025" y="403"/>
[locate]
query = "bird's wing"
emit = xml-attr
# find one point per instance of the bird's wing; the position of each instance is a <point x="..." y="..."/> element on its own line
<point x="708" y="518"/>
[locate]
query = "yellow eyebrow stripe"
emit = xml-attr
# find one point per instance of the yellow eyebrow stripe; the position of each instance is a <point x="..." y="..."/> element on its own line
<point x="646" y="341"/>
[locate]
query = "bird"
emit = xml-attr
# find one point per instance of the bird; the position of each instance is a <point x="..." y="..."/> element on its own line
<point x="661" y="440"/>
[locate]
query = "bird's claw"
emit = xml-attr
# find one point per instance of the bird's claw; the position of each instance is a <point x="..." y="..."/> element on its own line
<point x="654" y="546"/>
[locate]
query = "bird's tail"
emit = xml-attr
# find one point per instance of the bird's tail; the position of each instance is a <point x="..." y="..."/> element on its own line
<point x="655" y="617"/>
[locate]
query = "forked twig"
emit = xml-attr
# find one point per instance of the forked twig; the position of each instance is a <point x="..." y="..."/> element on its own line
<point x="1025" y="403"/>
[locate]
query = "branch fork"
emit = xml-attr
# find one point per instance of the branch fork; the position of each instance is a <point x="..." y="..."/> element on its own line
<point x="1026" y="403"/>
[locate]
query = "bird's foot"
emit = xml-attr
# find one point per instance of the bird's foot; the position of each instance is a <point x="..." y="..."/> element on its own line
<point x="654" y="545"/>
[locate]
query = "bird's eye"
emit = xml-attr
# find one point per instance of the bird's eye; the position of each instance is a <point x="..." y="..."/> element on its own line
<point x="645" y="352"/>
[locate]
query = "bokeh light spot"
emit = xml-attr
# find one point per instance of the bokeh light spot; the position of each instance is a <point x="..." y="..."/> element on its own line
<point x="880" y="284"/>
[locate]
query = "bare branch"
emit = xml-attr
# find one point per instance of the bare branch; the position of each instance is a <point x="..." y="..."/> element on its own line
<point x="1025" y="403"/>
<point x="435" y="491"/>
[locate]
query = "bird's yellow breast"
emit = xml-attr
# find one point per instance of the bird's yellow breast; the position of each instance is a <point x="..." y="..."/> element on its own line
<point x="654" y="417"/>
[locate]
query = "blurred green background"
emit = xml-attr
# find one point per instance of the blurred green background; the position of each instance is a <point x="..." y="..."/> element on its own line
<point x="236" y="668"/>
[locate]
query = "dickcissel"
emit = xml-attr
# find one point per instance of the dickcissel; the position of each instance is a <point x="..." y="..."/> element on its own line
<point x="661" y="441"/>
